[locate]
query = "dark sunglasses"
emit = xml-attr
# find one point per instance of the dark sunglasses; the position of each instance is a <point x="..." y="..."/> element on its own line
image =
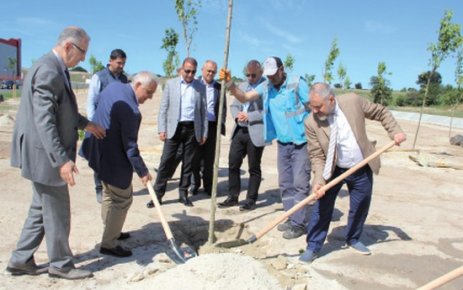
<point x="188" y="71"/>
<point x="251" y="75"/>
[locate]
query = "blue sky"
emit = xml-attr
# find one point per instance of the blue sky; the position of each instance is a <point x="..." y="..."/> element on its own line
<point x="396" y="32"/>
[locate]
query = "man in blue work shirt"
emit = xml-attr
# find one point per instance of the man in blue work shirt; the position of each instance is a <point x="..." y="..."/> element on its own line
<point x="285" y="102"/>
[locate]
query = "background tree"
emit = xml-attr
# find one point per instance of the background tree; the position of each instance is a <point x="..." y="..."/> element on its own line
<point x="12" y="62"/>
<point x="309" y="79"/>
<point x="78" y="69"/>
<point x="334" y="53"/>
<point x="435" y="81"/>
<point x="380" y="90"/>
<point x="459" y="82"/>
<point x="341" y="73"/>
<point x="187" y="10"/>
<point x="358" y="86"/>
<point x="95" y="64"/>
<point x="449" y="40"/>
<point x="169" y="43"/>
<point x="347" y="83"/>
<point x="289" y="62"/>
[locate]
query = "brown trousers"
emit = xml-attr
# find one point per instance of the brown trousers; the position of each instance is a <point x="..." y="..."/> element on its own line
<point x="114" y="208"/>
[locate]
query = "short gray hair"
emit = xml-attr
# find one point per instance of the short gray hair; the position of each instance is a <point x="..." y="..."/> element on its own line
<point x="72" y="33"/>
<point x="322" y="89"/>
<point x="145" y="78"/>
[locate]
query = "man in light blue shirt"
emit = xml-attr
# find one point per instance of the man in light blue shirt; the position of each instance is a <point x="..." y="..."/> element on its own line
<point x="285" y="101"/>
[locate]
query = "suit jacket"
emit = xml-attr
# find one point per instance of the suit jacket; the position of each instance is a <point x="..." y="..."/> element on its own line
<point x="356" y="109"/>
<point x="169" y="112"/>
<point x="217" y="89"/>
<point x="115" y="157"/>
<point x="45" y="133"/>
<point x="255" y="117"/>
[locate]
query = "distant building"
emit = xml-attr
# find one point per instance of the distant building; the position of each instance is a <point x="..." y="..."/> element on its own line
<point x="10" y="59"/>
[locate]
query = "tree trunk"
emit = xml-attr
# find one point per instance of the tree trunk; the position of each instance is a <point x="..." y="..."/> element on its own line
<point x="211" y="238"/>
<point x="422" y="106"/>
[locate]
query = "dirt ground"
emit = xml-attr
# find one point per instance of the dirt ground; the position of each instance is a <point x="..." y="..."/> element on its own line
<point x="414" y="228"/>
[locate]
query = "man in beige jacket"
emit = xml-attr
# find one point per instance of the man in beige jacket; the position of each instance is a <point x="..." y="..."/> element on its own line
<point x="337" y="141"/>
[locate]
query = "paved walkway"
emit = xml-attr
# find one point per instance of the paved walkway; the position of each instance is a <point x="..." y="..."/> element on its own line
<point x="432" y="119"/>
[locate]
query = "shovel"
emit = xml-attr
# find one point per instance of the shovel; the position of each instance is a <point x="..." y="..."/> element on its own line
<point x="298" y="206"/>
<point x="183" y="255"/>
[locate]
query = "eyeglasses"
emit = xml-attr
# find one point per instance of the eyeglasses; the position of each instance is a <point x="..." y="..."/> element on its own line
<point x="83" y="51"/>
<point x="189" y="71"/>
<point x="251" y="75"/>
<point x="211" y="71"/>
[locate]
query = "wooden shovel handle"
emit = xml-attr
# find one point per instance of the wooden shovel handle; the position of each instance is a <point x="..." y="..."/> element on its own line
<point x="327" y="186"/>
<point x="444" y="279"/>
<point x="157" y="206"/>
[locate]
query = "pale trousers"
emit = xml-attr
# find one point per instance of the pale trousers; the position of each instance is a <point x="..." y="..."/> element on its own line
<point x="114" y="207"/>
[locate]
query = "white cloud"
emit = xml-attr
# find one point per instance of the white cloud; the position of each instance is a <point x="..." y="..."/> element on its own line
<point x="248" y="39"/>
<point x="378" y="27"/>
<point x="34" y="21"/>
<point x="289" y="37"/>
<point x="294" y="5"/>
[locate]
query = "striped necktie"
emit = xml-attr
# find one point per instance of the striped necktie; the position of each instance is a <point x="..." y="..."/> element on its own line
<point x="330" y="158"/>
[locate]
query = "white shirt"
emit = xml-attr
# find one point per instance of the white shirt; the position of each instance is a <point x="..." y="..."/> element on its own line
<point x="187" y="101"/>
<point x="211" y="100"/>
<point x="347" y="149"/>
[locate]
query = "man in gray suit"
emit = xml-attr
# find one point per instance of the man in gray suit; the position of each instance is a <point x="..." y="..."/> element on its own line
<point x="182" y="122"/>
<point x="44" y="148"/>
<point x="247" y="139"/>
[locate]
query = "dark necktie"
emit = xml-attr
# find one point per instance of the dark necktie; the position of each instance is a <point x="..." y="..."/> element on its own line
<point x="68" y="77"/>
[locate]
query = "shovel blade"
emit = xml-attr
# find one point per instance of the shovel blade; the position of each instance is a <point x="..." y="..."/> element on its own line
<point x="181" y="255"/>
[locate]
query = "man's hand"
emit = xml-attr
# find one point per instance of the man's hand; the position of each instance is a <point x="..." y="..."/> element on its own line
<point x="318" y="191"/>
<point x="225" y="74"/>
<point x="203" y="140"/>
<point x="67" y="170"/>
<point x="97" y="131"/>
<point x="242" y="117"/>
<point x="399" y="138"/>
<point x="145" y="179"/>
<point x="162" y="136"/>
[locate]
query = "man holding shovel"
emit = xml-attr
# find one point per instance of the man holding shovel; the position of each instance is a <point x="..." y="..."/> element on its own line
<point x="337" y="141"/>
<point x="116" y="157"/>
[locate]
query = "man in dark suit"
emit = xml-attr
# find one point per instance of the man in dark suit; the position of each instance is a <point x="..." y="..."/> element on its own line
<point x="44" y="148"/>
<point x="247" y="139"/>
<point x="203" y="160"/>
<point x="337" y="140"/>
<point x="116" y="157"/>
<point x="182" y="121"/>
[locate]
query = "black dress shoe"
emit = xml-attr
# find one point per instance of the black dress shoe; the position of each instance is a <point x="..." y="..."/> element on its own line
<point x="116" y="252"/>
<point x="123" y="236"/>
<point x="193" y="191"/>
<point x="228" y="202"/>
<point x="186" y="201"/>
<point x="150" y="204"/>
<point x="248" y="206"/>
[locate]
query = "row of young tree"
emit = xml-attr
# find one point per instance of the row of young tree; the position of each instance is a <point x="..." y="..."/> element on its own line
<point x="431" y="92"/>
